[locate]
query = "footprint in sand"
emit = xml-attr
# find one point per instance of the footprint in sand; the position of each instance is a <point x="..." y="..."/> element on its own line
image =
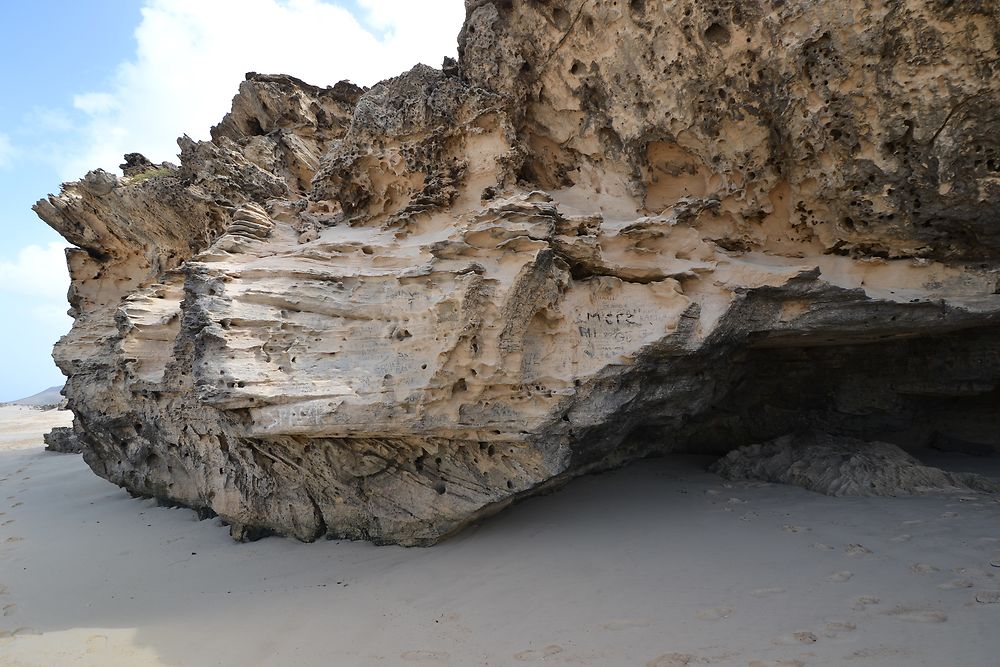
<point x="625" y="624"/>
<point x="836" y="628"/>
<point x="7" y="522"/>
<point x="988" y="597"/>
<point x="424" y="656"/>
<point x="840" y="577"/>
<point x="9" y="609"/>
<point x="956" y="584"/>
<point x="918" y="615"/>
<point x="905" y="537"/>
<point x="911" y="522"/>
<point x="14" y="540"/>
<point x="819" y="546"/>
<point x="749" y="516"/>
<point x="863" y="602"/>
<point x="878" y="652"/>
<point x="671" y="660"/>
<point x="97" y="643"/>
<point x="715" y="613"/>
<point x="765" y="592"/>
<point x="855" y="550"/>
<point x="922" y="568"/>
<point x="795" y="638"/>
<point x="788" y="528"/>
<point x="18" y="504"/>
<point x="949" y="515"/>
<point x="777" y="663"/>
<point x="995" y="561"/>
<point x="538" y="654"/>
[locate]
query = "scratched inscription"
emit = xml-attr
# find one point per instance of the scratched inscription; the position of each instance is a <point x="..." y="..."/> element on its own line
<point x="608" y="324"/>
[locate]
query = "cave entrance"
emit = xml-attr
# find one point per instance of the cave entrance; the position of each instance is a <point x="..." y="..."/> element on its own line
<point x="940" y="391"/>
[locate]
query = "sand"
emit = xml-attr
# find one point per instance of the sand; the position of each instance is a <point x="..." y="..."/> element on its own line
<point x="660" y="563"/>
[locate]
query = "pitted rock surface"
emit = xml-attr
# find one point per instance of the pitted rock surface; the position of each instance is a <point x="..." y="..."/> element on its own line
<point x="613" y="229"/>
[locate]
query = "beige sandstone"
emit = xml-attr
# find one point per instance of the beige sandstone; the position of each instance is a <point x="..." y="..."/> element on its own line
<point x="611" y="229"/>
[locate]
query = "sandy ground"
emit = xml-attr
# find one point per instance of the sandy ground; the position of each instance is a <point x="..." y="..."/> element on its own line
<point x="658" y="564"/>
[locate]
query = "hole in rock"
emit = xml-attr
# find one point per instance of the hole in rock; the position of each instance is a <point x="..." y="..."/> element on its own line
<point x="717" y="34"/>
<point x="254" y="128"/>
<point x="561" y="18"/>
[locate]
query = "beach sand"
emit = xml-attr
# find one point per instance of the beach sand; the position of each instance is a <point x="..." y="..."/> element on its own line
<point x="660" y="563"/>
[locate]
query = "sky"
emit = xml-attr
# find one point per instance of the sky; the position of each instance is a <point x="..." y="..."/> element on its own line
<point x="87" y="82"/>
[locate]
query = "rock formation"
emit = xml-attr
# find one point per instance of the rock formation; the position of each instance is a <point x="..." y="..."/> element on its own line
<point x="62" y="439"/>
<point x="839" y="466"/>
<point x="611" y="228"/>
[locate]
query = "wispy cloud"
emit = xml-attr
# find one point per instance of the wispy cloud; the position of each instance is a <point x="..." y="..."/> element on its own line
<point x="95" y="103"/>
<point x="33" y="287"/>
<point x="37" y="271"/>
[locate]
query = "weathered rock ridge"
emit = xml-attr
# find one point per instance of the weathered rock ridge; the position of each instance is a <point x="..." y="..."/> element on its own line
<point x="612" y="228"/>
<point x="839" y="466"/>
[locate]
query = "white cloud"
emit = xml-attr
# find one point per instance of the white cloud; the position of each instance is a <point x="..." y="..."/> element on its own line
<point x="94" y="103"/>
<point x="33" y="289"/>
<point x="6" y="151"/>
<point x="37" y="271"/>
<point x="192" y="54"/>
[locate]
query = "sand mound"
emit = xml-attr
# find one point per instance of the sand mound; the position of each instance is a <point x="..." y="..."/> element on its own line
<point x="840" y="466"/>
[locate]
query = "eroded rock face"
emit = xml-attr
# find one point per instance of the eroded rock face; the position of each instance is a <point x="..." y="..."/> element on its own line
<point x="615" y="228"/>
<point x="839" y="466"/>
<point x="62" y="439"/>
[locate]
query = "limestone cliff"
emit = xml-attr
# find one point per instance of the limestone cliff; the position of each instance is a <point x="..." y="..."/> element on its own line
<point x="612" y="228"/>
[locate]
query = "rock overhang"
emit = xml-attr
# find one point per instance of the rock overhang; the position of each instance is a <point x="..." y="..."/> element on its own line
<point x="386" y="313"/>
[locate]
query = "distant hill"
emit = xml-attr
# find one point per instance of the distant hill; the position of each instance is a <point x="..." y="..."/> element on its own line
<point x="50" y="396"/>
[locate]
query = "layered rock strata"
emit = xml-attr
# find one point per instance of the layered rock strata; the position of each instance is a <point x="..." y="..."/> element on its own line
<point x="611" y="229"/>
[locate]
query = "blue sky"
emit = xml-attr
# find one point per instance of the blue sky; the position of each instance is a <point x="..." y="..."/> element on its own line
<point x="54" y="58"/>
<point x="88" y="81"/>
